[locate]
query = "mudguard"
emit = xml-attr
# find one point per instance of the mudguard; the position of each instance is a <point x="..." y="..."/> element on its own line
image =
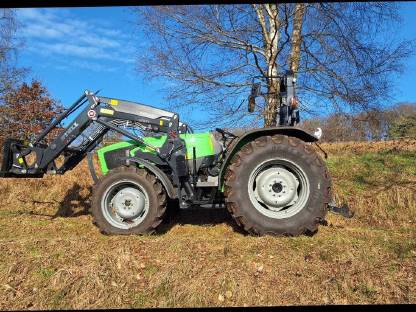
<point x="251" y="135"/>
<point x="167" y="184"/>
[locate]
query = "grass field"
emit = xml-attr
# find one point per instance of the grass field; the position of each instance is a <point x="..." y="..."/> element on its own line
<point x="52" y="256"/>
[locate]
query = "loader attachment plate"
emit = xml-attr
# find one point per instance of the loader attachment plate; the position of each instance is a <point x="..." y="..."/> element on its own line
<point x="14" y="164"/>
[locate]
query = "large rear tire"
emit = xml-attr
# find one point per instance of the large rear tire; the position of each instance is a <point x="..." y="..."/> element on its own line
<point x="128" y="200"/>
<point x="279" y="186"/>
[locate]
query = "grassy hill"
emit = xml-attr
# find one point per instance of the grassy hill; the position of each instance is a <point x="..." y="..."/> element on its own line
<point x="52" y="256"/>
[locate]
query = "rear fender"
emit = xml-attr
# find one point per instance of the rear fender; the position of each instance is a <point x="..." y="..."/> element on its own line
<point x="254" y="134"/>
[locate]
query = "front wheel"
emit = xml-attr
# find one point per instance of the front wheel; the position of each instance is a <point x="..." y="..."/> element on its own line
<point x="128" y="201"/>
<point x="277" y="185"/>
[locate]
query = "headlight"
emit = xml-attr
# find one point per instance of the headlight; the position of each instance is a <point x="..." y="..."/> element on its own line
<point x="318" y="133"/>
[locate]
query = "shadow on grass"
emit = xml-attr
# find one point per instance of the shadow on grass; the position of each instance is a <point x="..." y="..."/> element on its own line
<point x="74" y="204"/>
<point x="196" y="215"/>
<point x="379" y="172"/>
<point x="374" y="183"/>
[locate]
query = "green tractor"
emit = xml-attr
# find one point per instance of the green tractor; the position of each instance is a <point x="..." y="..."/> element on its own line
<point x="271" y="180"/>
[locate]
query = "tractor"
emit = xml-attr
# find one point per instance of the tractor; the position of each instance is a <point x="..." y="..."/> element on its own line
<point x="271" y="180"/>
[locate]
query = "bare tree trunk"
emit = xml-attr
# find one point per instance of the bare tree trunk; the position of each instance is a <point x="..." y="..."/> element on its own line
<point x="296" y="37"/>
<point x="273" y="85"/>
<point x="338" y="40"/>
<point x="270" y="112"/>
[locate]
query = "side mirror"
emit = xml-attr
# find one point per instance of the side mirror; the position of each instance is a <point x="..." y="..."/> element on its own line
<point x="251" y="103"/>
<point x="255" y="91"/>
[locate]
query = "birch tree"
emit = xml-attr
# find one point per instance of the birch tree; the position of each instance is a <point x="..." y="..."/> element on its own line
<point x="9" y="73"/>
<point x="210" y="55"/>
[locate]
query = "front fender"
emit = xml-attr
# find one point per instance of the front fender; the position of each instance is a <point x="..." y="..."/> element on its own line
<point x="167" y="184"/>
<point x="254" y="134"/>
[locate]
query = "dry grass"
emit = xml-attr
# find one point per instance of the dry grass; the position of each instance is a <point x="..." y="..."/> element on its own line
<point x="405" y="144"/>
<point x="53" y="257"/>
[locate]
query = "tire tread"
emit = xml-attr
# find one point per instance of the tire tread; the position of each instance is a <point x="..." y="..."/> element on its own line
<point x="106" y="228"/>
<point x="231" y="191"/>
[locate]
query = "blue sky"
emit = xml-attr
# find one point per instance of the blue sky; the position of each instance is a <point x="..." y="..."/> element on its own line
<point x="73" y="49"/>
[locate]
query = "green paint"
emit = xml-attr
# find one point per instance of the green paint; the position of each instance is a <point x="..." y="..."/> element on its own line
<point x="152" y="141"/>
<point x="112" y="147"/>
<point x="201" y="141"/>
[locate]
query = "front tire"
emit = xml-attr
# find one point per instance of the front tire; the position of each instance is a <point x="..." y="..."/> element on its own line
<point x="279" y="186"/>
<point x="128" y="200"/>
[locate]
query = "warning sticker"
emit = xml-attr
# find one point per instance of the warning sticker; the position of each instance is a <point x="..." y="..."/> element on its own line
<point x="113" y="102"/>
<point x="106" y="111"/>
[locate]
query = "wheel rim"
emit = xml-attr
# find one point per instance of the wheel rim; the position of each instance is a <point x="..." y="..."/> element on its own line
<point x="278" y="188"/>
<point x="125" y="204"/>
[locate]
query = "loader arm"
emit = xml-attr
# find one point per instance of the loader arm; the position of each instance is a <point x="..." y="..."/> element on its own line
<point x="97" y="116"/>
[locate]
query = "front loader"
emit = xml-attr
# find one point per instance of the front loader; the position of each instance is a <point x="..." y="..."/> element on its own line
<point x="271" y="180"/>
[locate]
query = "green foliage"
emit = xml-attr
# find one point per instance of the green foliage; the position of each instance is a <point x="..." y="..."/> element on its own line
<point x="403" y="127"/>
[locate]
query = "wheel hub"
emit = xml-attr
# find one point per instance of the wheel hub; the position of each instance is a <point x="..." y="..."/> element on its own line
<point x="276" y="187"/>
<point x="128" y="203"/>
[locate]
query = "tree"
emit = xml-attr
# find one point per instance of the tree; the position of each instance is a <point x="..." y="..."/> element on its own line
<point x="26" y="111"/>
<point x="404" y="122"/>
<point x="404" y="127"/>
<point x="393" y="122"/>
<point x="211" y="53"/>
<point x="10" y="75"/>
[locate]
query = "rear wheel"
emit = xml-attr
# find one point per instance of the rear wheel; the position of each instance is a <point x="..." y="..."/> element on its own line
<point x="128" y="201"/>
<point x="277" y="185"/>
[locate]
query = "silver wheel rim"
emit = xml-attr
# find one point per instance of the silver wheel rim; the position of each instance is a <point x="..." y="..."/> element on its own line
<point x="278" y="188"/>
<point x="125" y="204"/>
